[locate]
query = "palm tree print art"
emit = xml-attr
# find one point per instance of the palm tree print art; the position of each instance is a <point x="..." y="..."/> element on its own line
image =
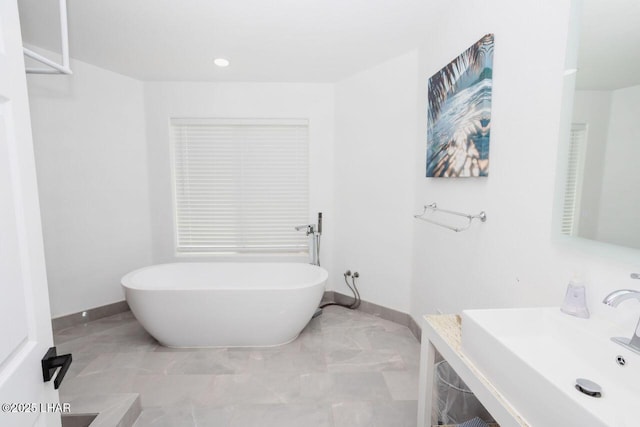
<point x="459" y="116"/>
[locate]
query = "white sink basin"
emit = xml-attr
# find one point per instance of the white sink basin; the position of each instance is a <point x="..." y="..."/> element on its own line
<point x="534" y="356"/>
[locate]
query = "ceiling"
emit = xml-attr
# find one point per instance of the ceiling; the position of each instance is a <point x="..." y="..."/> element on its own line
<point x="276" y="40"/>
<point x="609" y="52"/>
<point x="291" y="40"/>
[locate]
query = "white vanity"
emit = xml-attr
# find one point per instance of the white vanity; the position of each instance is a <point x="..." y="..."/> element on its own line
<point x="443" y="333"/>
<point x="523" y="364"/>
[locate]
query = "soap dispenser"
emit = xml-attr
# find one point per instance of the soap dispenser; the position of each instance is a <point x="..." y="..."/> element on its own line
<point x="575" y="300"/>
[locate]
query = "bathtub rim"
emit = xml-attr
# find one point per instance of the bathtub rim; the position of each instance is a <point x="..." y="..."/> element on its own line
<point x="126" y="280"/>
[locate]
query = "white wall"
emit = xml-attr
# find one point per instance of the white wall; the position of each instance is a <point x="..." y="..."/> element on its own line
<point x="90" y="147"/>
<point x="375" y="136"/>
<point x="514" y="259"/>
<point x="592" y="107"/>
<point x="254" y="100"/>
<point x="97" y="194"/>
<point x="620" y="202"/>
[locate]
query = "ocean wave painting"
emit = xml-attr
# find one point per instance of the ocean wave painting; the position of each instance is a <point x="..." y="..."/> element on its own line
<point x="459" y="115"/>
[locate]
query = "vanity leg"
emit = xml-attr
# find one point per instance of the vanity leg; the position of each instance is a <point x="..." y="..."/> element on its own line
<point x="426" y="383"/>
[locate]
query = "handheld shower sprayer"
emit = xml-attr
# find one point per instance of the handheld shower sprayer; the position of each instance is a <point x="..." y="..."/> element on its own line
<point x="316" y="243"/>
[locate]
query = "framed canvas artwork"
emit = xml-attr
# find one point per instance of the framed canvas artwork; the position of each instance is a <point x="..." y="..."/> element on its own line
<point x="459" y="114"/>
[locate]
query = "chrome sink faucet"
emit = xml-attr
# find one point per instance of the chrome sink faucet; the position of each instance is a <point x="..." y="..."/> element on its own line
<point x="614" y="299"/>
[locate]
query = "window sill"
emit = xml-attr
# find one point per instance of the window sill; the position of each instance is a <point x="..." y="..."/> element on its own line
<point x="245" y="257"/>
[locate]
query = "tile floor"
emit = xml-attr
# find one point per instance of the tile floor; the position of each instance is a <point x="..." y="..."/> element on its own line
<point x="346" y="369"/>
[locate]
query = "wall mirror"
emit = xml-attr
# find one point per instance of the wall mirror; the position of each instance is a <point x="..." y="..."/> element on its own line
<point x="601" y="190"/>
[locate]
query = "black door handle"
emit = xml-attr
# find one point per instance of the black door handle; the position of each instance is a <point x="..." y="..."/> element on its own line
<point x="51" y="361"/>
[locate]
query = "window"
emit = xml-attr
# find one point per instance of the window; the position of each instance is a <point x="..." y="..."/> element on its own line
<point x="573" y="184"/>
<point x="240" y="185"/>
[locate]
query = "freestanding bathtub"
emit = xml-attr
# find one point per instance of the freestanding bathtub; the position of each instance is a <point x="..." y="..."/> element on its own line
<point x="225" y="304"/>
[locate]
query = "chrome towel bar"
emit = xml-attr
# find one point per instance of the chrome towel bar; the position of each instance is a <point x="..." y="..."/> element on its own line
<point x="433" y="207"/>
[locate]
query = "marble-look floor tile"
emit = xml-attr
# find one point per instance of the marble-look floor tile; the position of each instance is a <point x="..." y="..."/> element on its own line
<point x="337" y="317"/>
<point x="79" y="363"/>
<point x="119" y="339"/>
<point x="400" y="341"/>
<point x="345" y="339"/>
<point x="253" y="389"/>
<point x="95" y="384"/>
<point x="375" y="414"/>
<point x="97" y="326"/>
<point x="364" y="361"/>
<point x="136" y="363"/>
<point x="171" y="390"/>
<point x="287" y="360"/>
<point x="310" y="339"/>
<point x="346" y="368"/>
<point x="341" y="387"/>
<point x="213" y="362"/>
<point x="403" y="385"/>
<point x="262" y="415"/>
<point x="76" y="346"/>
<point x="283" y="415"/>
<point x="168" y="417"/>
<point x="185" y="416"/>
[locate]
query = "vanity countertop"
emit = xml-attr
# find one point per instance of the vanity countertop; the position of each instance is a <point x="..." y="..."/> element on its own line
<point x="449" y="327"/>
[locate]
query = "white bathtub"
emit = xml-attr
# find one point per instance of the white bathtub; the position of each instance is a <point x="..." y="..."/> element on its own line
<point x="225" y="304"/>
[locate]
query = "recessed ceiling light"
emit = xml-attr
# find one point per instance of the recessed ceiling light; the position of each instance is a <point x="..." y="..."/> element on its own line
<point x="221" y="62"/>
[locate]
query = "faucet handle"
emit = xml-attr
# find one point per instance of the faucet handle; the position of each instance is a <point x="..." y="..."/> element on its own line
<point x="309" y="228"/>
<point x="635" y="275"/>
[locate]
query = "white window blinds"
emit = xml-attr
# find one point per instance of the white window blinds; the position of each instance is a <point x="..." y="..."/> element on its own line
<point x="573" y="184"/>
<point x="240" y="185"/>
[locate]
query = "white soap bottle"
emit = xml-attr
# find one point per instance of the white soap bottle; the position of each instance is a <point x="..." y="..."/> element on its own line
<point x="575" y="300"/>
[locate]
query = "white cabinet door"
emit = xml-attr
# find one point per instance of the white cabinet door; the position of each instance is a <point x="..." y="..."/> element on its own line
<point x="25" y="324"/>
